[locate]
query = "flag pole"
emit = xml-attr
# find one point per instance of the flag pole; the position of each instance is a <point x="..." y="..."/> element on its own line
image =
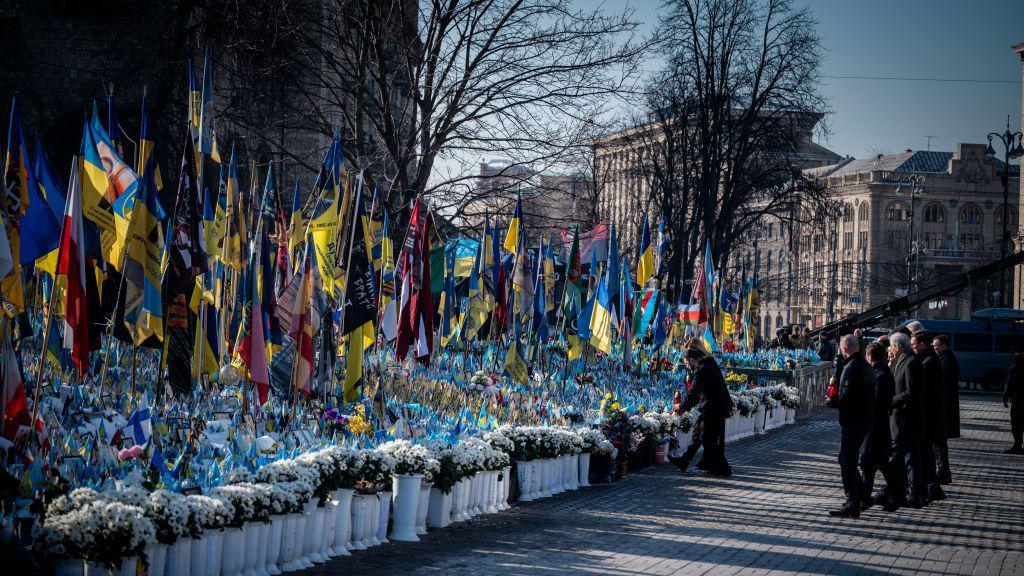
<point x="348" y="269"/>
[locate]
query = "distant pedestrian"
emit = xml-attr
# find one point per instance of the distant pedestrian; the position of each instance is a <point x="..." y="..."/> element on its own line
<point x="855" y="401"/>
<point x="874" y="454"/>
<point x="826" y="349"/>
<point x="1013" y="397"/>
<point x="935" y="411"/>
<point x="951" y="383"/>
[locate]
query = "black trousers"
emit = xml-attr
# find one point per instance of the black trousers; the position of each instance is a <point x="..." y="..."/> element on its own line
<point x="940" y="448"/>
<point x="874" y="458"/>
<point x="850" y="441"/>
<point x="896" y="481"/>
<point x="918" y="463"/>
<point x="710" y="433"/>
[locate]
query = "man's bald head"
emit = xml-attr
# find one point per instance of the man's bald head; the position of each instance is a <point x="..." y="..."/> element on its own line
<point x="850" y="345"/>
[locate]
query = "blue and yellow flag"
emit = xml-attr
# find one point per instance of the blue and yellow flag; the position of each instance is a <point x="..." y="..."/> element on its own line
<point x="107" y="178"/>
<point x="512" y="237"/>
<point x="55" y="195"/>
<point x="323" y="224"/>
<point x="143" y="307"/>
<point x="207" y="130"/>
<point x="645" y="266"/>
<point x="601" y="319"/>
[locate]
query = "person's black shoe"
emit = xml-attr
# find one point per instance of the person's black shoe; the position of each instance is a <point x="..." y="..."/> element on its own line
<point x="866" y="503"/>
<point x="891" y="506"/>
<point x="682" y="462"/>
<point x="945" y="479"/>
<point x="724" y="471"/>
<point x="847" y="511"/>
<point x="1014" y="450"/>
<point x="916" y="503"/>
<point x="701" y="465"/>
<point x="936" y="494"/>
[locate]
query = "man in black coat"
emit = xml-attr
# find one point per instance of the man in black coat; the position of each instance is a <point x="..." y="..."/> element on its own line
<point x="874" y="455"/>
<point x="935" y="410"/>
<point x="855" y="402"/>
<point x="710" y="395"/>
<point x="906" y="424"/>
<point x="951" y="387"/>
<point x="1013" y="397"/>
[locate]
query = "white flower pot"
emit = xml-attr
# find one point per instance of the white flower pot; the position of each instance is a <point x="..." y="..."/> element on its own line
<point x="330" y="519"/>
<point x="343" y="523"/>
<point x="76" y="566"/>
<point x="373" y="521"/>
<point x="523" y="469"/>
<point x="197" y="556"/>
<point x="274" y="543"/>
<point x="231" y="552"/>
<point x="128" y="567"/>
<point x="156" y="557"/>
<point x="456" y="512"/>
<point x="439" y="509"/>
<point x="549" y="478"/>
<point x="250" y="532"/>
<point x="405" y="490"/>
<point x="421" y="510"/>
<point x="305" y="558"/>
<point x="369" y="504"/>
<point x="179" y="557"/>
<point x="263" y="552"/>
<point x="384" y="516"/>
<point x="316" y="537"/>
<point x="584" y="469"/>
<point x="286" y="560"/>
<point x="358" y="521"/>
<point x="574" y="472"/>
<point x="506" y="487"/>
<point x="492" y="492"/>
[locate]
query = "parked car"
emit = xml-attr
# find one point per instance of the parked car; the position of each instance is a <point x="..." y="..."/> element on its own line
<point x="983" y="347"/>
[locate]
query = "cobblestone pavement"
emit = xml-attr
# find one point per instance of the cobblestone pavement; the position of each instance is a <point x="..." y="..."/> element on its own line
<point x="769" y="518"/>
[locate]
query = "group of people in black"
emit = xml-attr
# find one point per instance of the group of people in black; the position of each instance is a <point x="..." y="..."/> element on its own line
<point x="898" y="402"/>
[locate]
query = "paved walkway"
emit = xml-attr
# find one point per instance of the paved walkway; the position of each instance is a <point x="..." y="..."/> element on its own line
<point x="769" y="518"/>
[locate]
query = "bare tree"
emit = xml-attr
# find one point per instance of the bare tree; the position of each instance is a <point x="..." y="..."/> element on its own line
<point x="417" y="88"/>
<point x="729" y="115"/>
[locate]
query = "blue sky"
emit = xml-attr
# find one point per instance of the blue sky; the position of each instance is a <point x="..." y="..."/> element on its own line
<point x="950" y="39"/>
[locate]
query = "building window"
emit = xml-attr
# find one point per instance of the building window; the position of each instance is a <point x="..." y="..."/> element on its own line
<point x="863" y="240"/>
<point x="897" y="212"/>
<point x="1013" y="216"/>
<point x="847" y="213"/>
<point x="848" y="240"/>
<point x="896" y="240"/>
<point x="863" y="214"/>
<point x="969" y="241"/>
<point x="934" y="213"/>
<point x="970" y="214"/>
<point x="768" y="265"/>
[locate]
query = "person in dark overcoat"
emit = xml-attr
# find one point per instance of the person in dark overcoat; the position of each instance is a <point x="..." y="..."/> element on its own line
<point x="951" y="384"/>
<point x="935" y="411"/>
<point x="855" y="402"/>
<point x="1013" y="397"/>
<point x="710" y="394"/>
<point x="906" y="424"/>
<point x="874" y="454"/>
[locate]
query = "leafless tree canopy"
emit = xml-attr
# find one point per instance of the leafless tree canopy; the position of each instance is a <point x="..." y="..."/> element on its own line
<point x="727" y="118"/>
<point x="420" y="92"/>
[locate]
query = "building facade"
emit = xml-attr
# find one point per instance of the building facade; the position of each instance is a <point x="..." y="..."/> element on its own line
<point x="902" y="221"/>
<point x="1018" y="274"/>
<point x="552" y="201"/>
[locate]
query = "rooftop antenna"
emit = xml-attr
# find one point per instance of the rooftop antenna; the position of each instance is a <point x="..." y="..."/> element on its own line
<point x="929" y="141"/>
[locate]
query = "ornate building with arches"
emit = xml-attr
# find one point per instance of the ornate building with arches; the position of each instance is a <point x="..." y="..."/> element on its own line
<point x="902" y="221"/>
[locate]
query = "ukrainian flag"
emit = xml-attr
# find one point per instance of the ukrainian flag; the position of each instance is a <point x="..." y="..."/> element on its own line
<point x="231" y="252"/>
<point x="107" y="178"/>
<point x="207" y="133"/>
<point x="297" y="237"/>
<point x="645" y="267"/>
<point x="709" y="340"/>
<point x="601" y="320"/>
<point x="514" y="232"/>
<point x="324" y="222"/>
<point x="143" y="307"/>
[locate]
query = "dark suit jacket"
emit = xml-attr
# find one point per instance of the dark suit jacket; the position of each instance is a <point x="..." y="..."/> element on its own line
<point x="951" y="382"/>
<point x="935" y="396"/>
<point x="906" y="421"/>
<point x="856" y="398"/>
<point x="881" y="435"/>
<point x="1014" y="382"/>
<point x="709" y="391"/>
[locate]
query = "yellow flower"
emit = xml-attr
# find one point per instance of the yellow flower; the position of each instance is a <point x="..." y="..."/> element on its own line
<point x="615" y="405"/>
<point x="608" y="395"/>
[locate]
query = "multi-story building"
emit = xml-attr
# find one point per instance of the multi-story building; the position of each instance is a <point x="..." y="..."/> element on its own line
<point x="903" y="221"/>
<point x="622" y="172"/>
<point x="551" y="201"/>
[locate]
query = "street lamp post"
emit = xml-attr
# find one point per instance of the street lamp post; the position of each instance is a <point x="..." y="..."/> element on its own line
<point x="1009" y="151"/>
<point x="916" y="183"/>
